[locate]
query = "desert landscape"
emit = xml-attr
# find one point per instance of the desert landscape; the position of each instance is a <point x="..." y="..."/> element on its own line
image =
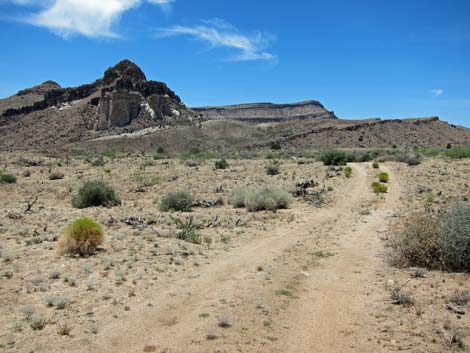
<point x="230" y="208"/>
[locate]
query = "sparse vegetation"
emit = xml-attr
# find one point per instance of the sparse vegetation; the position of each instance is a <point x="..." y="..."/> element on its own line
<point x="333" y="157"/>
<point x="177" y="201"/>
<point x="95" y="193"/>
<point x="188" y="230"/>
<point x="458" y="152"/>
<point x="375" y="165"/>
<point x="401" y="298"/>
<point x="348" y="172"/>
<point x="81" y="237"/>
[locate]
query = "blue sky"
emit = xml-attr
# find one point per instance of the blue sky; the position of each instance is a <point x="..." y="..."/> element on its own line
<point x="375" y="58"/>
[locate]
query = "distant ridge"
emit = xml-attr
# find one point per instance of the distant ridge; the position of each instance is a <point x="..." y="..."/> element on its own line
<point x="267" y="112"/>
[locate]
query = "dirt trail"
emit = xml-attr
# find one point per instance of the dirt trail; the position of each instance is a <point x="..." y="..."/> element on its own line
<point x="280" y="293"/>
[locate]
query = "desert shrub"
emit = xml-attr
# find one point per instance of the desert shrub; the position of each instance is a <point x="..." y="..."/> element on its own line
<point x="333" y="157"/>
<point x="188" y="230"/>
<point x="273" y="169"/>
<point x="362" y="156"/>
<point x="238" y="197"/>
<point x="56" y="176"/>
<point x="455" y="228"/>
<point x="275" y="146"/>
<point x="379" y="188"/>
<point x="98" y="162"/>
<point x="383" y="177"/>
<point x="177" y="201"/>
<point x="409" y="158"/>
<point x="7" y="178"/>
<point x="111" y="154"/>
<point x="458" y="152"/>
<point x="418" y="244"/>
<point x="95" y="193"/>
<point x="401" y="298"/>
<point x="81" y="237"/>
<point x="348" y="172"/>
<point x="266" y="198"/>
<point x="221" y="164"/>
<point x="192" y="163"/>
<point x="375" y="165"/>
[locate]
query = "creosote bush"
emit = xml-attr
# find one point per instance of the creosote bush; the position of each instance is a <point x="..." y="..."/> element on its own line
<point x="177" y="201"/>
<point x="383" y="177"/>
<point x="348" y="172"/>
<point x="375" y="165"/>
<point x="221" y="164"/>
<point x="7" y="178"/>
<point x="81" y="237"/>
<point x="262" y="198"/>
<point x="95" y="193"/>
<point x="379" y="188"/>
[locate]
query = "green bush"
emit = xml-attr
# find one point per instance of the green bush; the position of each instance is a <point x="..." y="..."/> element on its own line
<point x="375" y="165"/>
<point x="458" y="152"/>
<point x="348" y="172"/>
<point x="262" y="198"/>
<point x="455" y="229"/>
<point x="82" y="237"/>
<point x="95" y="193"/>
<point x="221" y="164"/>
<point x="379" y="188"/>
<point x="177" y="201"/>
<point x="188" y="230"/>
<point x="273" y="169"/>
<point x="418" y="244"/>
<point x="333" y="157"/>
<point x="383" y="177"/>
<point x="7" y="178"/>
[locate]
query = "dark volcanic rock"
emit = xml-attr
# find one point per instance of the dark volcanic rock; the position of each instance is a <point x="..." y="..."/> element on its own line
<point x="41" y="89"/>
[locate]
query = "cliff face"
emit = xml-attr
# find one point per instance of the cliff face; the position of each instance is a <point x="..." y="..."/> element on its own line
<point x="267" y="112"/>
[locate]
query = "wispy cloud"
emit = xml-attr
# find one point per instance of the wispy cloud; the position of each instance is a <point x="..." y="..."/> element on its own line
<point x="436" y="92"/>
<point x="221" y="34"/>
<point x="90" y="18"/>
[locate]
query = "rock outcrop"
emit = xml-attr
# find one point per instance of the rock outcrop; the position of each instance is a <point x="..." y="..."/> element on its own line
<point x="267" y="112"/>
<point x="121" y="97"/>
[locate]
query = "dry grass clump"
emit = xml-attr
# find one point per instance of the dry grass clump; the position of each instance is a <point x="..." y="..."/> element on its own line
<point x="95" y="193"/>
<point x="262" y="198"/>
<point x="82" y="237"/>
<point x="273" y="168"/>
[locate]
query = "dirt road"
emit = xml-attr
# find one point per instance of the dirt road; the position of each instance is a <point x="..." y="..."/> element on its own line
<point x="305" y="287"/>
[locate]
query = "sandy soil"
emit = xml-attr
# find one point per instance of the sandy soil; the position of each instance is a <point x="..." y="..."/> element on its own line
<point x="306" y="279"/>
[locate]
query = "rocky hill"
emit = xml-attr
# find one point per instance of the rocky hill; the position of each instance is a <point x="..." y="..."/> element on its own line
<point x="267" y="112"/>
<point x="125" y="111"/>
<point x="122" y="100"/>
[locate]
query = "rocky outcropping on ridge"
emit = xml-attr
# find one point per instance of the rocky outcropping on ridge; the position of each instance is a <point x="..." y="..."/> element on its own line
<point x="267" y="112"/>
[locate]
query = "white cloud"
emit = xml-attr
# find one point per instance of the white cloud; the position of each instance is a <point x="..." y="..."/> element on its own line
<point x="436" y="92"/>
<point x="219" y="33"/>
<point x="91" y="18"/>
